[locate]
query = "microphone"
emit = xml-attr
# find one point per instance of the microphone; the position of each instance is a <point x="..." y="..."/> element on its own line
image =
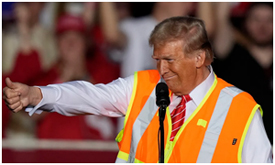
<point x="162" y="101"/>
<point x="162" y="95"/>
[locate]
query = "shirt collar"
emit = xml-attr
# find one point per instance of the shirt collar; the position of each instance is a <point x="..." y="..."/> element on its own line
<point x="198" y="93"/>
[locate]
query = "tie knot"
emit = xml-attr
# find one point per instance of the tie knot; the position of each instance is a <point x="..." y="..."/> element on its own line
<point x="185" y="99"/>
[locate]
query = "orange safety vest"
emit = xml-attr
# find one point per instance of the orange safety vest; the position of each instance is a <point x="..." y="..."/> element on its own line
<point x="215" y="131"/>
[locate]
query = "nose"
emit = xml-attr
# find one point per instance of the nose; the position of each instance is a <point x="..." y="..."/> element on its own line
<point x="162" y="67"/>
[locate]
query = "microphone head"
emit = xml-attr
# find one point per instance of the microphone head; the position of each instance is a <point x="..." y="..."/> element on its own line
<point x="162" y="94"/>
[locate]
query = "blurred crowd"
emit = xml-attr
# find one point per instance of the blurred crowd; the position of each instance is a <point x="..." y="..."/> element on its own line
<point x="55" y="42"/>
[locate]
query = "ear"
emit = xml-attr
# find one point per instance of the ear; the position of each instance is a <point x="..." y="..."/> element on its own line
<point x="200" y="58"/>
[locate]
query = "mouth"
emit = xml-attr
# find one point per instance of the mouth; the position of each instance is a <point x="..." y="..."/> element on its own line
<point x="166" y="78"/>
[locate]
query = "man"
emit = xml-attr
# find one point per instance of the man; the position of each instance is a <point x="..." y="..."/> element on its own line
<point x="221" y="122"/>
<point x="131" y="42"/>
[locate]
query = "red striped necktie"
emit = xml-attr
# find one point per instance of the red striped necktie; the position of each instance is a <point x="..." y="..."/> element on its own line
<point x="178" y="115"/>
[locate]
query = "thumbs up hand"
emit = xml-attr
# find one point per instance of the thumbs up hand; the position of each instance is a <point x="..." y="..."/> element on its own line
<point x="17" y="95"/>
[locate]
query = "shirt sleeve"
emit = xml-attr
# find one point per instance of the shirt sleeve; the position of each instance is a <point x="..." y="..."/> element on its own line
<point x="257" y="147"/>
<point x="81" y="97"/>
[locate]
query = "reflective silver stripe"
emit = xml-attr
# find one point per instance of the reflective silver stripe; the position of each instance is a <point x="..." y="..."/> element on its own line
<point x="216" y="123"/>
<point x="118" y="160"/>
<point x="143" y="120"/>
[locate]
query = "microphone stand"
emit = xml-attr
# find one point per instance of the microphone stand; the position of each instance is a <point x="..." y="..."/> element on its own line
<point x="162" y="111"/>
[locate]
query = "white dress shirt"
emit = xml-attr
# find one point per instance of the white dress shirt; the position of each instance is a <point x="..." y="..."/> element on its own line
<point x="80" y="97"/>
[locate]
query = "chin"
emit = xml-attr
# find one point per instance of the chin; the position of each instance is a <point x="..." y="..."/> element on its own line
<point x="172" y="87"/>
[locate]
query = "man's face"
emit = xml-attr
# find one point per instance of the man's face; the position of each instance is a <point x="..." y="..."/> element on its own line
<point x="178" y="71"/>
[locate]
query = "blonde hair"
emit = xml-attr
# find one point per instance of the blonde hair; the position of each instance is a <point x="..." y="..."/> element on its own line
<point x="189" y="29"/>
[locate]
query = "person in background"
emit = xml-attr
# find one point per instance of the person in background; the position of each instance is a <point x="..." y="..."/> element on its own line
<point x="71" y="65"/>
<point x="28" y="48"/>
<point x="208" y="120"/>
<point x="245" y="54"/>
<point x="98" y="65"/>
<point x="101" y="18"/>
<point x="29" y="42"/>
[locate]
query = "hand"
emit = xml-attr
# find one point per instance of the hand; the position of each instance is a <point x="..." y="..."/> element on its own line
<point x="17" y="95"/>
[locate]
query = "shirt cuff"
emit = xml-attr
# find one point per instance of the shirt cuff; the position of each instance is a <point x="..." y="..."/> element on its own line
<point x="46" y="104"/>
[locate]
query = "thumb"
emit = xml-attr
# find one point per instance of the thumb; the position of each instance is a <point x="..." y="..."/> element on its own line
<point x="9" y="83"/>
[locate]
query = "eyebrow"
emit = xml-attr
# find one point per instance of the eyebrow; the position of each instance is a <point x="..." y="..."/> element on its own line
<point x="163" y="56"/>
<point x="153" y="56"/>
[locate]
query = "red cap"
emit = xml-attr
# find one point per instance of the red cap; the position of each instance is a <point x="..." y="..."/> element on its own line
<point x="69" y="22"/>
<point x="239" y="9"/>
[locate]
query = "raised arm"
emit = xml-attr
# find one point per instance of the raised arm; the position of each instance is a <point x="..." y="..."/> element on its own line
<point x="110" y="24"/>
<point x="71" y="98"/>
<point x="205" y="11"/>
<point x="224" y="33"/>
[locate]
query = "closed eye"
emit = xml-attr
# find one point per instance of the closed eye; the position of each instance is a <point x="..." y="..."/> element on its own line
<point x="166" y="59"/>
<point x="155" y="58"/>
<point x="169" y="59"/>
